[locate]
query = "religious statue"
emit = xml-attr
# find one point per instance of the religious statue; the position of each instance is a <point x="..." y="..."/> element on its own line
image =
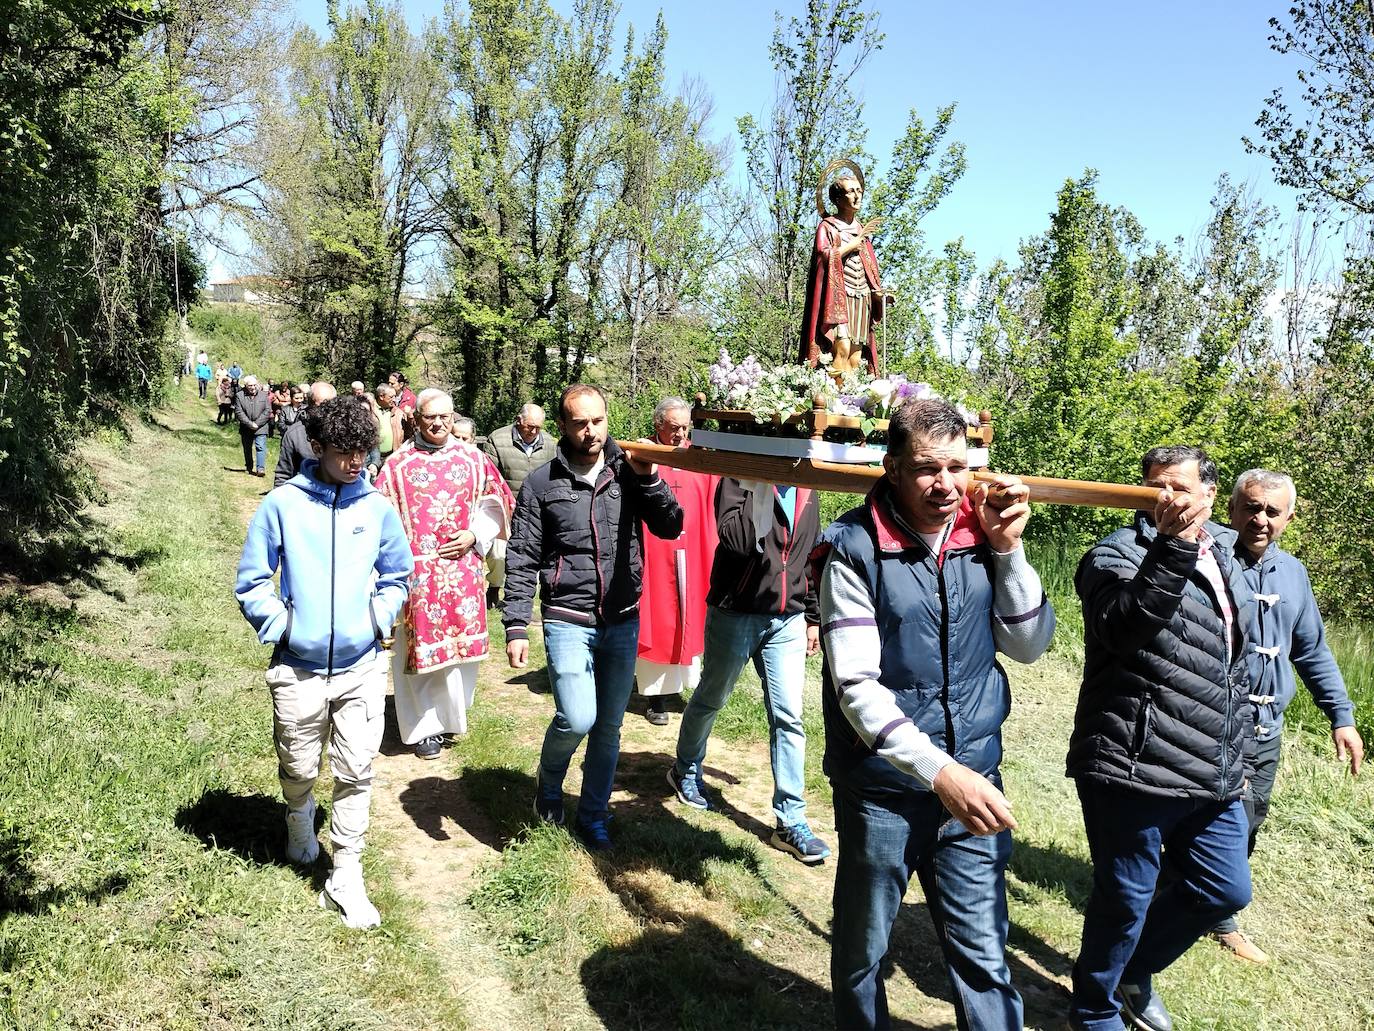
<point x="844" y="296"/>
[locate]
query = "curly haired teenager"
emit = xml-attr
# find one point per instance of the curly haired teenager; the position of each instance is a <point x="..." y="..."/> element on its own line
<point x="327" y="531"/>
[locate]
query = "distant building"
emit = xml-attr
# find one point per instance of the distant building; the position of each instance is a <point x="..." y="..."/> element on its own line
<point x="243" y="290"/>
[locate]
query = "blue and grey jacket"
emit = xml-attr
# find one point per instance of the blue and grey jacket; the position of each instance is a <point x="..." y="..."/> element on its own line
<point x="327" y="540"/>
<point x="1286" y="630"/>
<point x="911" y="677"/>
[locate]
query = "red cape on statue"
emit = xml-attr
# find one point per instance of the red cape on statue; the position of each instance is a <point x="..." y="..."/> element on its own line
<point x="825" y="304"/>
<point x="672" y="607"/>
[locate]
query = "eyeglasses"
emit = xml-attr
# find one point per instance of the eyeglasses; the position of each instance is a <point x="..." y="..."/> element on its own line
<point x="430" y="416"/>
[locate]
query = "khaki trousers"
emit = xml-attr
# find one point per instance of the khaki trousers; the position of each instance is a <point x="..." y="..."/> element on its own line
<point x="346" y="709"/>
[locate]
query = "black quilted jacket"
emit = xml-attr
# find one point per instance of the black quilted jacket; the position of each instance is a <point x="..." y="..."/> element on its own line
<point x="1163" y="708"/>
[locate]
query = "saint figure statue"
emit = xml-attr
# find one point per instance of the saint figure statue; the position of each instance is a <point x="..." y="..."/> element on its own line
<point x="844" y="296"/>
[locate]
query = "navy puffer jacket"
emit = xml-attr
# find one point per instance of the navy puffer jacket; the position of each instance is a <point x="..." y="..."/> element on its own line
<point x="1163" y="708"/>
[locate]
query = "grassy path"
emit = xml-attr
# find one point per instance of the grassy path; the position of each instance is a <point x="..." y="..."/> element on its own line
<point x="140" y="826"/>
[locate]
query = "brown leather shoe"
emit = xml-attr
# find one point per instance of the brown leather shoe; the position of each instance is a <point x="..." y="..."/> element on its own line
<point x="1239" y="943"/>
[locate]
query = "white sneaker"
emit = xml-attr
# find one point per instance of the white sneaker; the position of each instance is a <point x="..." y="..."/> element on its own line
<point x="302" y="843"/>
<point x="344" y="892"/>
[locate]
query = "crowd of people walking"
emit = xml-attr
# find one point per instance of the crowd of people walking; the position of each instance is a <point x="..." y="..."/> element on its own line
<point x="396" y="533"/>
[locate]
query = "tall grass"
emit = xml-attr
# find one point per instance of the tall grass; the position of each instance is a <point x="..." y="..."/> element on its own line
<point x="1056" y="566"/>
<point x="261" y="341"/>
<point x="1353" y="646"/>
<point x="141" y="876"/>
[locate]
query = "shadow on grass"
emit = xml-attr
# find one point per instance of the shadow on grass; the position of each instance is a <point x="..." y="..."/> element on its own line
<point x="215" y="436"/>
<point x="915" y="949"/>
<point x="535" y="681"/>
<point x="250" y="826"/>
<point x="1051" y="868"/>
<point x="645" y="776"/>
<point x="22" y="890"/>
<point x="492" y="804"/>
<point x="75" y="554"/>
<point x="697" y="975"/>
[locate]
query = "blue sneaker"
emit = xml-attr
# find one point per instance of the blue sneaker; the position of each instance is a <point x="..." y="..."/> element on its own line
<point x="688" y="790"/>
<point x="548" y="801"/>
<point x="595" y="834"/>
<point x="800" y="842"/>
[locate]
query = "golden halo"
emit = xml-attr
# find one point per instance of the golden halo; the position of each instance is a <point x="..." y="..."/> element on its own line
<point x="823" y="186"/>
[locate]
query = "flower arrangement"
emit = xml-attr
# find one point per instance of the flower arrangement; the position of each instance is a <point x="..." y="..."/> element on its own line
<point x="780" y="393"/>
<point x="770" y="394"/>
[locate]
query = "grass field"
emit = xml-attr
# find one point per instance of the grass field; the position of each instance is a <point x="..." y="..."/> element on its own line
<point x="141" y="876"/>
<point x="142" y="886"/>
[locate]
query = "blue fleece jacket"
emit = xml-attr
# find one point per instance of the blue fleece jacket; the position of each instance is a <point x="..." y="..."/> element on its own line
<point x="326" y="540"/>
<point x="1286" y="631"/>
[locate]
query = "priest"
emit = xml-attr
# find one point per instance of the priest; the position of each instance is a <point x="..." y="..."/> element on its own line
<point x="453" y="504"/>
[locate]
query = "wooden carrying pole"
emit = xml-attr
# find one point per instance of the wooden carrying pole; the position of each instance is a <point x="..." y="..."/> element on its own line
<point x="859" y="479"/>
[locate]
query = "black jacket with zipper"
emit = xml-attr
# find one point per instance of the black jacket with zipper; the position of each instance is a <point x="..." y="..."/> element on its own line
<point x="771" y="580"/>
<point x="583" y="544"/>
<point x="1164" y="708"/>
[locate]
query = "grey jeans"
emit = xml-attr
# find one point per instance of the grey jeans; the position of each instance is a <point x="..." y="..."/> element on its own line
<point x="346" y="710"/>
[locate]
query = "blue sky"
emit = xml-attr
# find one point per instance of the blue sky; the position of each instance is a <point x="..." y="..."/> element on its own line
<point x="1155" y="96"/>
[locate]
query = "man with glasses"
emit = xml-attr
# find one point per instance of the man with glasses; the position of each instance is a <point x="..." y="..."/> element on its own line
<point x="453" y="504"/>
<point x="518" y="450"/>
<point x="672" y="611"/>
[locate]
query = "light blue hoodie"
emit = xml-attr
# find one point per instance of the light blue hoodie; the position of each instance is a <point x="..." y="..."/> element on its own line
<point x="327" y="540"/>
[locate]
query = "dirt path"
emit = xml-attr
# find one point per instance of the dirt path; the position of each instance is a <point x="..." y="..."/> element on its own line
<point x="438" y="842"/>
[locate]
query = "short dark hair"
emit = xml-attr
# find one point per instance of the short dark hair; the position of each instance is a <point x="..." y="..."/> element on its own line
<point x="1177" y="454"/>
<point x="835" y="192"/>
<point x="400" y="377"/>
<point x="342" y="423"/>
<point x="932" y="419"/>
<point x="577" y="390"/>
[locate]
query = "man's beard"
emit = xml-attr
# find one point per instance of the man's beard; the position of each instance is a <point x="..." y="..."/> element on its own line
<point x="586" y="453"/>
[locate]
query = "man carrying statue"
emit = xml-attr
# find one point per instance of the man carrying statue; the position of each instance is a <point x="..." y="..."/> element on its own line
<point x="844" y="296"/>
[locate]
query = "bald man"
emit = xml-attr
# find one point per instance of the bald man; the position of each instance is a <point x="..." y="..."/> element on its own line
<point x="517" y="450"/>
<point x="295" y="444"/>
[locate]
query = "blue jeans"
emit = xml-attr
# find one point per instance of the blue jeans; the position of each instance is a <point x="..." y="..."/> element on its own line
<point x="881" y="844"/>
<point x="592" y="671"/>
<point x="1130" y="931"/>
<point x="254" y="449"/>
<point x="777" y="644"/>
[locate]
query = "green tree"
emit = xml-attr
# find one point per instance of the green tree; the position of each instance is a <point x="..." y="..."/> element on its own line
<point x="349" y="175"/>
<point x="1331" y="447"/>
<point x="1320" y="141"/>
<point x="661" y="250"/>
<point x="86" y="260"/>
<point x="532" y="110"/>
<point x="931" y="291"/>
<point x="815" y="118"/>
<point x="1059" y="350"/>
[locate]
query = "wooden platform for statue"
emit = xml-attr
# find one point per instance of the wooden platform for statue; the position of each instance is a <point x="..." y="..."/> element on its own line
<point x="743" y="460"/>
